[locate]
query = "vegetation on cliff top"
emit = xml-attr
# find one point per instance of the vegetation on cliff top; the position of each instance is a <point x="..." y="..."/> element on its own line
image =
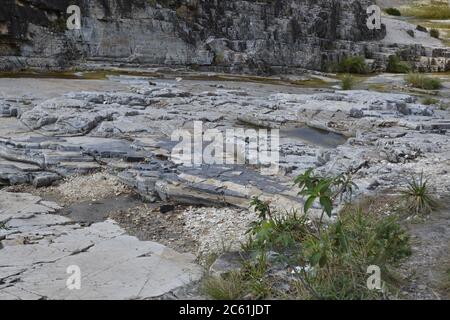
<point x="436" y="9"/>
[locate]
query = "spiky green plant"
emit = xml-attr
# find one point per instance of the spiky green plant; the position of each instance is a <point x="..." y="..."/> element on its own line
<point x="418" y="197"/>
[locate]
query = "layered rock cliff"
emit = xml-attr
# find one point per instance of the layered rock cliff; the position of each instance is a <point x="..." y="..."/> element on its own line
<point x="235" y="35"/>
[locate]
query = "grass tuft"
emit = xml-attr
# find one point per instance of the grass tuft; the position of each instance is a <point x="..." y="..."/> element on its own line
<point x="348" y="82"/>
<point x="428" y="101"/>
<point x="229" y="287"/>
<point x="421" y="81"/>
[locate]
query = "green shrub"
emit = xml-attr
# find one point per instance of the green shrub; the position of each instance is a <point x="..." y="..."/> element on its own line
<point x="329" y="262"/>
<point x="353" y="64"/>
<point x="393" y="12"/>
<point x="434" y="33"/>
<point x="348" y="82"/>
<point x="421" y="81"/>
<point x="397" y="66"/>
<point x="324" y="189"/>
<point x="219" y="58"/>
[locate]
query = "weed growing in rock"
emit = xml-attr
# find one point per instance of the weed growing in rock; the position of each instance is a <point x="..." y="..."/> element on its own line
<point x="275" y="232"/>
<point x="396" y="66"/>
<point x="393" y="12"/>
<point x="444" y="106"/>
<point x="228" y="287"/>
<point x="435" y="33"/>
<point x="347" y="82"/>
<point x="353" y="64"/>
<point x="418" y="198"/>
<point x="219" y="58"/>
<point x="428" y="101"/>
<point x="418" y="80"/>
<point x="324" y="189"/>
<point x="338" y="258"/>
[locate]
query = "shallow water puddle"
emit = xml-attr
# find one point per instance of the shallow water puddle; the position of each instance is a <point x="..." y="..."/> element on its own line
<point x="100" y="210"/>
<point x="313" y="136"/>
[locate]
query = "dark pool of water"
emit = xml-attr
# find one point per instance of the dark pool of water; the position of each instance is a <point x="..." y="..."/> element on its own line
<point x="313" y="136"/>
<point x="98" y="211"/>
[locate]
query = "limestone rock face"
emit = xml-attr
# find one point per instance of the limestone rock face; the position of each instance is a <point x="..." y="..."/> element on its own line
<point x="227" y="35"/>
<point x="38" y="247"/>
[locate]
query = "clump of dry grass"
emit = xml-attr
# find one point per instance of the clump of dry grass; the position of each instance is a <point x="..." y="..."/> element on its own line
<point x="421" y="81"/>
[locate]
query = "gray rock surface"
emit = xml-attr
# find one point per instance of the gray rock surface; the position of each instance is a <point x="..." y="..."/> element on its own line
<point x="38" y="246"/>
<point x="374" y="136"/>
<point x="238" y="36"/>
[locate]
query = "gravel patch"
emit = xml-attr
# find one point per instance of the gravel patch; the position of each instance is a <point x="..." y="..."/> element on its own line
<point x="91" y="188"/>
<point x="147" y="223"/>
<point x="217" y="229"/>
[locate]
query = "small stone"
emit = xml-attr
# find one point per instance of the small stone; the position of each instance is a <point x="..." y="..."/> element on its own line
<point x="166" y="208"/>
<point x="356" y="113"/>
<point x="45" y="180"/>
<point x="226" y="263"/>
<point x="403" y="108"/>
<point x="134" y="158"/>
<point x="373" y="185"/>
<point x="422" y="287"/>
<point x="421" y="28"/>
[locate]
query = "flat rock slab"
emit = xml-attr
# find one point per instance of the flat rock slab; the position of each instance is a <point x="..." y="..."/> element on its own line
<point x="38" y="248"/>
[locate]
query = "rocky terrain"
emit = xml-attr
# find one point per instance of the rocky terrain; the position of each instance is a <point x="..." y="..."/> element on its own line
<point x="381" y="138"/>
<point x="88" y="176"/>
